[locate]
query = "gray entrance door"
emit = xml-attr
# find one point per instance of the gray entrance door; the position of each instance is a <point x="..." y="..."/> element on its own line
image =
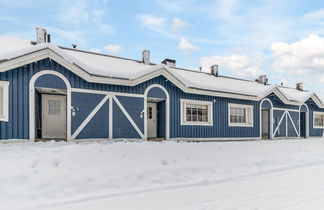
<point x="151" y="120"/>
<point x="53" y="116"/>
<point x="265" y="123"/>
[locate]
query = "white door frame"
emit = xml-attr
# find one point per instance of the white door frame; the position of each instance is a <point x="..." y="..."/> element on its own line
<point x="167" y="110"/>
<point x="32" y="102"/>
<point x="270" y="118"/>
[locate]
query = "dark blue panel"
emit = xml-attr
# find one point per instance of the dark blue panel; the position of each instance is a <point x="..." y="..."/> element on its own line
<point x="291" y="130"/>
<point x="38" y="113"/>
<point x="122" y="128"/>
<point x="156" y="93"/>
<point x="161" y="119"/>
<point x="134" y="107"/>
<point x="303" y="124"/>
<point x="266" y="105"/>
<point x="303" y="108"/>
<point x="277" y="114"/>
<point x="50" y="81"/>
<point x="85" y="103"/>
<point x="295" y="118"/>
<point x="277" y="102"/>
<point x="98" y="127"/>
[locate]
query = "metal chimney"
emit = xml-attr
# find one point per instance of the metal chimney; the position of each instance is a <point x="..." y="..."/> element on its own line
<point x="263" y="79"/>
<point x="41" y="35"/>
<point x="214" y="70"/>
<point x="299" y="86"/>
<point x="146" y="57"/>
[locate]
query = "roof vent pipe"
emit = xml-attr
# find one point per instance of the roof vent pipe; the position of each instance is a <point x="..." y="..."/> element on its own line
<point x="41" y="35"/>
<point x="146" y="57"/>
<point x="214" y="70"/>
<point x="263" y="79"/>
<point x="299" y="86"/>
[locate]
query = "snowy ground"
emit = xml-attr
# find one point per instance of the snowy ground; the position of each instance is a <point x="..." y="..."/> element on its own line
<point x="285" y="174"/>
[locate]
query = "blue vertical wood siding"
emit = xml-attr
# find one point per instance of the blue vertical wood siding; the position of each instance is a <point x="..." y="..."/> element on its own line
<point x="98" y="125"/>
<point x="18" y="128"/>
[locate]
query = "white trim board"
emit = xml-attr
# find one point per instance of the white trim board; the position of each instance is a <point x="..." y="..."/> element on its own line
<point x="167" y="110"/>
<point x="80" y="90"/>
<point x="5" y="100"/>
<point x="270" y="118"/>
<point x="283" y="109"/>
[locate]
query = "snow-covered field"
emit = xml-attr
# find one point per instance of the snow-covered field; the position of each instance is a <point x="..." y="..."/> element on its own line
<point x="282" y="174"/>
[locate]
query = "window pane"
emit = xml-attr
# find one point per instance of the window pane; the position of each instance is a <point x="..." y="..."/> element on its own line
<point x="239" y="115"/>
<point x="196" y="112"/>
<point x="54" y="107"/>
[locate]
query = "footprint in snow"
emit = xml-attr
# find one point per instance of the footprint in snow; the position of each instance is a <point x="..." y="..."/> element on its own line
<point x="164" y="162"/>
<point x="56" y="163"/>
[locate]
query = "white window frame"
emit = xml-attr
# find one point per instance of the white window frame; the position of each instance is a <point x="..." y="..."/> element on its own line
<point x="5" y="102"/>
<point x="183" y="112"/>
<point x="250" y="115"/>
<point x="317" y="126"/>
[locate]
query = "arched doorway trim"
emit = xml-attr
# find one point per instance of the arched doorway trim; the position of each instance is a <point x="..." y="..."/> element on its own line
<point x="167" y="112"/>
<point x="32" y="102"/>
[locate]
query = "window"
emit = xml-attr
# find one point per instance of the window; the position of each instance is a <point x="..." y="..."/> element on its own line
<point x="318" y="120"/>
<point x="240" y="115"/>
<point x="150" y="113"/>
<point x="4" y="101"/>
<point x="54" y="107"/>
<point x="196" y="112"/>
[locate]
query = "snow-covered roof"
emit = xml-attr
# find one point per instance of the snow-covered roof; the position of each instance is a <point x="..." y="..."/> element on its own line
<point x="113" y="67"/>
<point x="206" y="81"/>
<point x="295" y="95"/>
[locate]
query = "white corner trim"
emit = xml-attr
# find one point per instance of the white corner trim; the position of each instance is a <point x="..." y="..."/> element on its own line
<point x="271" y="117"/>
<point x="32" y="102"/>
<point x="183" y="103"/>
<point x="89" y="117"/>
<point x="167" y="110"/>
<point x="128" y="117"/>
<point x="250" y="107"/>
<point x="5" y="101"/>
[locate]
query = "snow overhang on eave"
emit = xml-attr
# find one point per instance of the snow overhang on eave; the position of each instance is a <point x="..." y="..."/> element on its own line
<point x="52" y="53"/>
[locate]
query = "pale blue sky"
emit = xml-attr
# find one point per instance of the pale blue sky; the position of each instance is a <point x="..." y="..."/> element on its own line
<point x="283" y="39"/>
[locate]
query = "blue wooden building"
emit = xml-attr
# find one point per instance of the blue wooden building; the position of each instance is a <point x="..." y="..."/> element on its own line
<point x="52" y="92"/>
